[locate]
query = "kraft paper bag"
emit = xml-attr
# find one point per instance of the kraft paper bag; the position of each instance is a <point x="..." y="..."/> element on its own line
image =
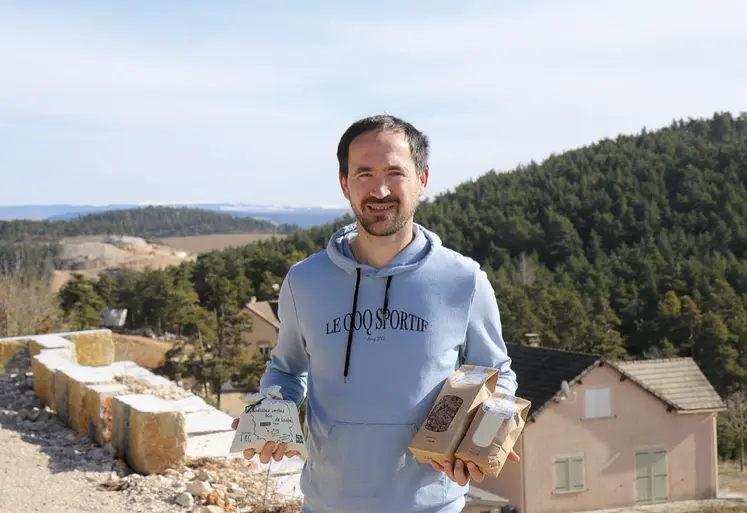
<point x="493" y="432"/>
<point x="455" y="407"/>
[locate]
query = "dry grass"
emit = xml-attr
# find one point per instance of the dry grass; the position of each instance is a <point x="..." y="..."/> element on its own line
<point x="731" y="479"/>
<point x="204" y="243"/>
<point x="26" y="307"/>
<point x="144" y="351"/>
<point x="735" y="508"/>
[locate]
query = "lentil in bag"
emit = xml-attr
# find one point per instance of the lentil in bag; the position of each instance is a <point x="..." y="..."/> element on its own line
<point x="456" y="405"/>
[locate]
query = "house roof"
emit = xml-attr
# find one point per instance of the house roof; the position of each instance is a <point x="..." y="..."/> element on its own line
<point x="540" y="370"/>
<point x="267" y="310"/>
<point x="679" y="382"/>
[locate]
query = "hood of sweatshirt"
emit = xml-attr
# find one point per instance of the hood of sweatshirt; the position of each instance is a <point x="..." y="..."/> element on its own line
<point x="420" y="249"/>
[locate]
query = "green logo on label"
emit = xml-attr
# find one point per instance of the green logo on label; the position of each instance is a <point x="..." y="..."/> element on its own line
<point x="299" y="439"/>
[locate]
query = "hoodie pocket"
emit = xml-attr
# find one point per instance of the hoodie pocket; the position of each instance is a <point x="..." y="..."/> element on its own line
<point x="366" y="461"/>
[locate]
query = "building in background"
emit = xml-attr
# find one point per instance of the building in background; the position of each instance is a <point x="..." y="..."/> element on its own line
<point x="610" y="434"/>
<point x="265" y="326"/>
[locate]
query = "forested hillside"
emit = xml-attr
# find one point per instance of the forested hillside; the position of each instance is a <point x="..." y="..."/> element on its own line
<point x="146" y="222"/>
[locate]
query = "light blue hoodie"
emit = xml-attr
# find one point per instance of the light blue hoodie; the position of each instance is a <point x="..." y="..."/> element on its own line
<point x="369" y="390"/>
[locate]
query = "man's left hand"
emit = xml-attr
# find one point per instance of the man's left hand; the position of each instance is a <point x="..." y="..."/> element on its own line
<point x="462" y="473"/>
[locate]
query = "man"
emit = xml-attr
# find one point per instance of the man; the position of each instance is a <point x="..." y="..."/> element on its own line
<point x="370" y="329"/>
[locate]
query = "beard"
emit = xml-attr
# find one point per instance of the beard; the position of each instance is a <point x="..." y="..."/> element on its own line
<point x="385" y="223"/>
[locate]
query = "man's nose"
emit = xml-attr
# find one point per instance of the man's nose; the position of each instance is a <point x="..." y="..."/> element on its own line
<point x="380" y="190"/>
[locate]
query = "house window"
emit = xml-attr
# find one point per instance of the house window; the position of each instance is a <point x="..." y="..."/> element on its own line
<point x="597" y="403"/>
<point x="569" y="474"/>
<point x="265" y="349"/>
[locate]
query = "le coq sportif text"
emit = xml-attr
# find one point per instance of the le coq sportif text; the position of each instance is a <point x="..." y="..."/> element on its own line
<point x="378" y="320"/>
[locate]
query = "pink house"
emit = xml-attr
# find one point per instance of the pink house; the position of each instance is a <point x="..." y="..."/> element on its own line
<point x="619" y="434"/>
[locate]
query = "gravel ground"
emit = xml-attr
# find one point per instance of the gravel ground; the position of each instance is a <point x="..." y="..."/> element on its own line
<point x="45" y="466"/>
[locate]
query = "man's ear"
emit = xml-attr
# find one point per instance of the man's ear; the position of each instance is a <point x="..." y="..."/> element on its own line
<point x="344" y="186"/>
<point x="424" y="175"/>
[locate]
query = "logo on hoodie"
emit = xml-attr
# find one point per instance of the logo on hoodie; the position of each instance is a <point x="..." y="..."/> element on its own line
<point x="376" y="321"/>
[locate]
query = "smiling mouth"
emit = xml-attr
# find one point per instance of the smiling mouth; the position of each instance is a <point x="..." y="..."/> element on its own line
<point x="381" y="208"/>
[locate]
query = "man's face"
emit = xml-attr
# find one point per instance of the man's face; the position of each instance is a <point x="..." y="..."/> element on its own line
<point x="382" y="186"/>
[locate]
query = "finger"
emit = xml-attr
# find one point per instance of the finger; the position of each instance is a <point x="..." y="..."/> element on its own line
<point x="460" y="476"/>
<point x="267" y="451"/>
<point x="249" y="453"/>
<point x="513" y="457"/>
<point x="279" y="451"/>
<point x="436" y="466"/>
<point x="475" y="473"/>
<point x="448" y="470"/>
<point x="291" y="454"/>
<point x="235" y="424"/>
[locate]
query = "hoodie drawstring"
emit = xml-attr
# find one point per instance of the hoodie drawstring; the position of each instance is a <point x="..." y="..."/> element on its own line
<point x="352" y="322"/>
<point x="386" y="294"/>
<point x="355" y="309"/>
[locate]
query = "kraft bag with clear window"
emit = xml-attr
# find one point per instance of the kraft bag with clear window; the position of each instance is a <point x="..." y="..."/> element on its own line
<point x="455" y="407"/>
<point x="493" y="432"/>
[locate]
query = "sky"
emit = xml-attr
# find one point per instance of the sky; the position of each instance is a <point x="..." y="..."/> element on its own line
<point x="235" y="101"/>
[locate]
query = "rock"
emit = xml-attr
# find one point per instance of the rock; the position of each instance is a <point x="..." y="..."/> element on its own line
<point x="237" y="492"/>
<point x="199" y="488"/>
<point x="96" y="454"/>
<point x="149" y="432"/>
<point x="96" y="412"/>
<point x="212" y="508"/>
<point x="11" y="351"/>
<point x="185" y="499"/>
<point x="44" y="366"/>
<point x="188" y="475"/>
<point x="94" y="348"/>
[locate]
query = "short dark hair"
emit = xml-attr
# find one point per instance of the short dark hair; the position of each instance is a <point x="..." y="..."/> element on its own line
<point x="418" y="141"/>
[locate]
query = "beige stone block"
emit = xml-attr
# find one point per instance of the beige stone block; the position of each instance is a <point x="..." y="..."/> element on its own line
<point x="95" y="348"/>
<point x="68" y="390"/>
<point x="12" y="355"/>
<point x="149" y="433"/>
<point x="96" y="412"/>
<point x="39" y="343"/>
<point x="44" y="365"/>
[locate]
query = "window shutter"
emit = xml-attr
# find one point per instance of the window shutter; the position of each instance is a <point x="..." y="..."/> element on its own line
<point x="659" y="476"/>
<point x="576" y="474"/>
<point x="597" y="403"/>
<point x="562" y="475"/>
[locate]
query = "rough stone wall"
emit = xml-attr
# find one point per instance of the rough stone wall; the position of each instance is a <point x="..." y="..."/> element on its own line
<point x="153" y="424"/>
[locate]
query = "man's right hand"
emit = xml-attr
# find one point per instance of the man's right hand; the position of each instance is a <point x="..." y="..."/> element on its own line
<point x="269" y="451"/>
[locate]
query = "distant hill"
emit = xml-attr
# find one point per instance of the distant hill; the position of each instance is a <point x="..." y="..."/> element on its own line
<point x="146" y="222"/>
<point x="304" y="217"/>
